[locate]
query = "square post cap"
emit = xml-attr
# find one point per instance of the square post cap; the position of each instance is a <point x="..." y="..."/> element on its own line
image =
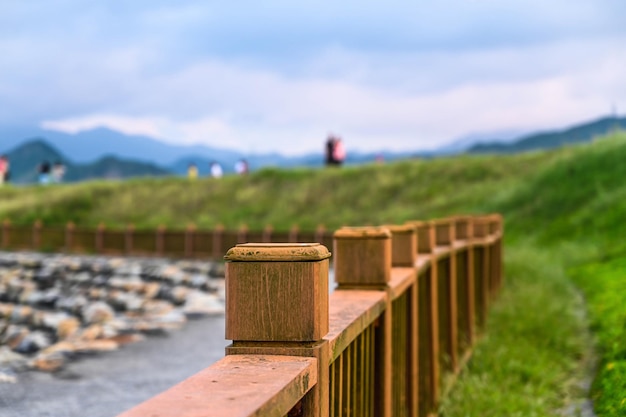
<point x="277" y="252"/>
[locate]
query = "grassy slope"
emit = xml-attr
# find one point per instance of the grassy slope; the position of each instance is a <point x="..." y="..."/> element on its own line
<point x="563" y="213"/>
<point x="352" y="195"/>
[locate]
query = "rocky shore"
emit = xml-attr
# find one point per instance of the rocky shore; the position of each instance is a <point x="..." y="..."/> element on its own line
<point x="57" y="308"/>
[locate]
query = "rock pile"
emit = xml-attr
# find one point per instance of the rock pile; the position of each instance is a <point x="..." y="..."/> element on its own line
<point x="56" y="307"/>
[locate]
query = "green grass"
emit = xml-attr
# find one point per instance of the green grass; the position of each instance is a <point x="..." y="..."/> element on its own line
<point x="307" y="197"/>
<point x="537" y="347"/>
<point x="564" y="213"/>
<point x="604" y="283"/>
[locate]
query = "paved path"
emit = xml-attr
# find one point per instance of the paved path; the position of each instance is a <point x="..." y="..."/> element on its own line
<point x="113" y="382"/>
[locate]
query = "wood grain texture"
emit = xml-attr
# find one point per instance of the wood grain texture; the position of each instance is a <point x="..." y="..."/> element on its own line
<point x="236" y="386"/>
<point x="362" y="256"/>
<point x="316" y="402"/>
<point x="351" y="312"/>
<point x="277" y="301"/>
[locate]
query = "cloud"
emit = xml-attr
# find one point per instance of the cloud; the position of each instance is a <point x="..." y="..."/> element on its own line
<point x="279" y="77"/>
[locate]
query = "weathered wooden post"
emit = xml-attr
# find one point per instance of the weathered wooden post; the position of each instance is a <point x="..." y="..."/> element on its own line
<point x="363" y="261"/>
<point x="69" y="236"/>
<point x="277" y="304"/>
<point x="267" y="233"/>
<point x="128" y="238"/>
<point x="448" y="307"/>
<point x="403" y="245"/>
<point x="404" y="255"/>
<point x="189" y="231"/>
<point x="6" y="228"/>
<point x="429" y="319"/>
<point x="37" y="234"/>
<point x="160" y="240"/>
<point x="100" y="238"/>
<point x="465" y="273"/>
<point x="495" y="231"/>
<point x="481" y="268"/>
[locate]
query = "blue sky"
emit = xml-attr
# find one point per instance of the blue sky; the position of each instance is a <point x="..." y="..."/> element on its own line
<point x="279" y="75"/>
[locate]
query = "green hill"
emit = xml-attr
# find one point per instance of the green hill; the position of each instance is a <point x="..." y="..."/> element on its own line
<point x="26" y="158"/>
<point x="368" y="194"/>
<point x="585" y="132"/>
<point x="564" y="213"/>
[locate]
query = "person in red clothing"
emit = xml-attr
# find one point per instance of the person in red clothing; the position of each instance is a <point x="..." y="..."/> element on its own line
<point x="4" y="169"/>
<point x="339" y="152"/>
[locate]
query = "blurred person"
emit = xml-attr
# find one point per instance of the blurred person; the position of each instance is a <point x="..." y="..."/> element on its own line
<point x="241" y="167"/>
<point x="216" y="170"/>
<point x="339" y="152"/>
<point x="330" y="149"/>
<point x="44" y="173"/>
<point x="4" y="169"/>
<point x="58" y="172"/>
<point x="192" y="171"/>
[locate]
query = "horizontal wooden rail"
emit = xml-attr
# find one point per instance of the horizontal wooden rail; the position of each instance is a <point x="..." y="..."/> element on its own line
<point x="187" y="243"/>
<point x="237" y="386"/>
<point x="388" y="342"/>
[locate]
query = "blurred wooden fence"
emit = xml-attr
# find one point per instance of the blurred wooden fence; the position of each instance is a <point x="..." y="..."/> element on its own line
<point x="188" y="243"/>
<point x="387" y="342"/>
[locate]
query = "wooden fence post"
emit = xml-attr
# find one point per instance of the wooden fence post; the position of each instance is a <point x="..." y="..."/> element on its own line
<point x="128" y="238"/>
<point x="267" y="233"/>
<point x="363" y="261"/>
<point x="403" y="245"/>
<point x="481" y="267"/>
<point x="189" y="240"/>
<point x="444" y="237"/>
<point x="69" y="236"/>
<point x="465" y="233"/>
<point x="37" y="234"/>
<point x="426" y="244"/>
<point x="495" y="229"/>
<point x="100" y="238"/>
<point x="218" y="238"/>
<point x="160" y="240"/>
<point x="6" y="230"/>
<point x="277" y="304"/>
<point x="404" y="255"/>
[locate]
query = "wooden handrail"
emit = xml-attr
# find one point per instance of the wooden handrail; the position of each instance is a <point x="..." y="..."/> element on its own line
<point x="236" y="386"/>
<point x="410" y="301"/>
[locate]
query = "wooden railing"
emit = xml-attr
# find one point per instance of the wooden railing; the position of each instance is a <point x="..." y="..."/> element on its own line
<point x="388" y="341"/>
<point x="188" y="243"/>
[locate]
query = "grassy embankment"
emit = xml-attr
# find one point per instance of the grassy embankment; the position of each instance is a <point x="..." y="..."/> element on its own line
<point x="563" y="212"/>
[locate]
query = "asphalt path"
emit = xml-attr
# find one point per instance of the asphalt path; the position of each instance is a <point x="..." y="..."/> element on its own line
<point x="106" y="385"/>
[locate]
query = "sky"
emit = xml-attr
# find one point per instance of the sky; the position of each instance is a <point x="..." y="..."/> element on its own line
<point x="281" y="75"/>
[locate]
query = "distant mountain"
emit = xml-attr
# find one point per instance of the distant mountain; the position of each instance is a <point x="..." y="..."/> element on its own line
<point x="112" y="167"/>
<point x="26" y="158"/>
<point x="90" y="145"/>
<point x="130" y="155"/>
<point x="580" y="133"/>
<point x="465" y="142"/>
